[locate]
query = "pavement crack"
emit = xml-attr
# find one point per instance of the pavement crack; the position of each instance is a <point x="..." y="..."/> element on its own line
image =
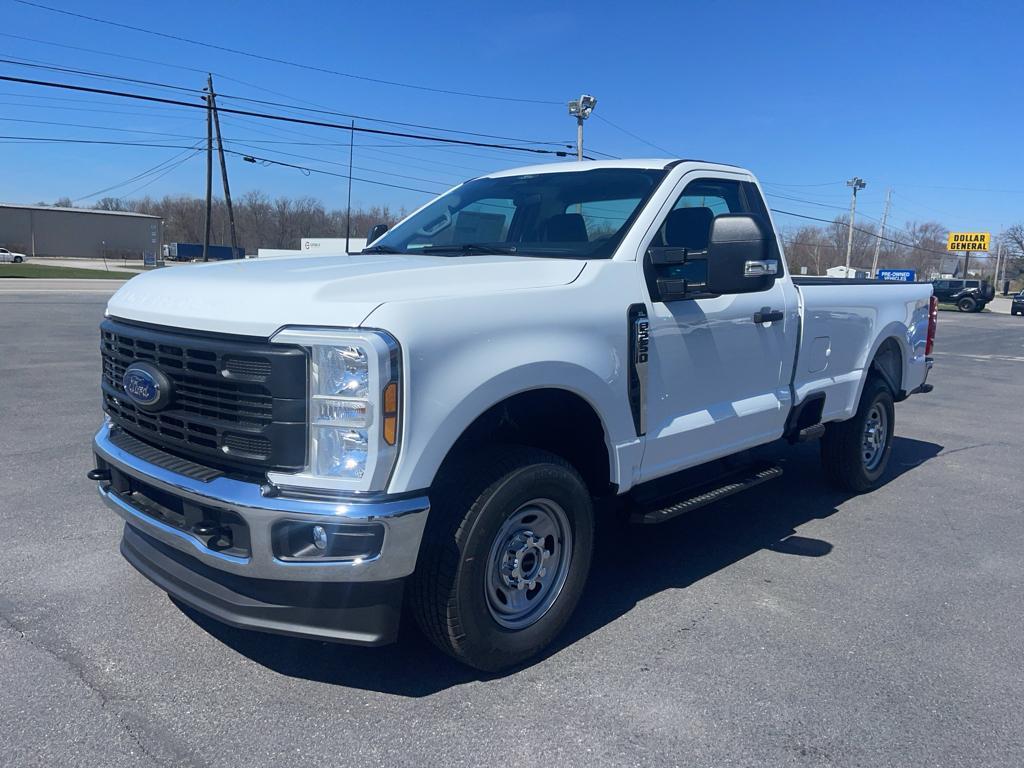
<point x="169" y="751"/>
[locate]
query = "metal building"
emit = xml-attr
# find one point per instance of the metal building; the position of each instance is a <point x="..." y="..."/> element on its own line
<point x="41" y="230"/>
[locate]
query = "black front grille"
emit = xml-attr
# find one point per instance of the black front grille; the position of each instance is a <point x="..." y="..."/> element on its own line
<point x="235" y="403"/>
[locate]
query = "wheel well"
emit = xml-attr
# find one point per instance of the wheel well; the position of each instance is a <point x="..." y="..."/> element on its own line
<point x="888" y="363"/>
<point x="554" y="420"/>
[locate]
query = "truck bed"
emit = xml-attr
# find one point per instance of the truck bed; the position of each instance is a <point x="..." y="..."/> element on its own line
<point x="843" y="324"/>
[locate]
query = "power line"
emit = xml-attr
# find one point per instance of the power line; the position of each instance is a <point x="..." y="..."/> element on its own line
<point x="136" y="177"/>
<point x="280" y="118"/>
<point x="821" y="184"/>
<point x="820" y="205"/>
<point x="62" y="140"/>
<point x="158" y="171"/>
<point x="267" y="161"/>
<point x="63" y="124"/>
<point x="604" y="119"/>
<point x="276" y="130"/>
<point x="286" y="62"/>
<point x="237" y="143"/>
<point x="307" y="170"/>
<point x="945" y="254"/>
<point x="351" y="116"/>
<point x="38" y="64"/>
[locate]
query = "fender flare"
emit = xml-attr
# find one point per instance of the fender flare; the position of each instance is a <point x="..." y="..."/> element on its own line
<point x="553" y="375"/>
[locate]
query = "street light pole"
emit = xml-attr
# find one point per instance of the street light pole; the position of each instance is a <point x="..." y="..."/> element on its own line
<point x="855" y="184"/>
<point x="881" y="231"/>
<point x="580" y="109"/>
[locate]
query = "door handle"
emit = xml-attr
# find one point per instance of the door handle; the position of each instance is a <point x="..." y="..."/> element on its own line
<point x="768" y="315"/>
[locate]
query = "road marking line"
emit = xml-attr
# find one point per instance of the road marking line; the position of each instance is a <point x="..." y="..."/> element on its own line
<point x="987" y="358"/>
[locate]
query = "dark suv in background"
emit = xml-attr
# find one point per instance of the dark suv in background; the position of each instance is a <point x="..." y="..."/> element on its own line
<point x="1017" y="305"/>
<point x="968" y="295"/>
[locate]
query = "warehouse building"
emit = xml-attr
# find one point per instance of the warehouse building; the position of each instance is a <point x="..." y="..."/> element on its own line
<point x="41" y="230"/>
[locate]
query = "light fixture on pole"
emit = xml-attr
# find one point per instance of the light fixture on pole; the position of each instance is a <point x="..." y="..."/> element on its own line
<point x="580" y="109"/>
<point x="856" y="183"/>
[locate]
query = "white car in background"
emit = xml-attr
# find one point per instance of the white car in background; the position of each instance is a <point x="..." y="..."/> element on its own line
<point x="11" y="256"/>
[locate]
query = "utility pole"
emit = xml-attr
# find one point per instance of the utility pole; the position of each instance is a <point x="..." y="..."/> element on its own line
<point x="855" y="184"/>
<point x="223" y="168"/>
<point x="881" y="231"/>
<point x="209" y="173"/>
<point x="995" y="275"/>
<point x="1006" y="259"/>
<point x="348" y="207"/>
<point x="580" y="109"/>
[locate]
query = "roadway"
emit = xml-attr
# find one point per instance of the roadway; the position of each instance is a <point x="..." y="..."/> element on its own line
<point x="791" y="625"/>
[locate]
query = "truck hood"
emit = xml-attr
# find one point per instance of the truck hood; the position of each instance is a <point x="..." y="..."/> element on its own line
<point x="258" y="297"/>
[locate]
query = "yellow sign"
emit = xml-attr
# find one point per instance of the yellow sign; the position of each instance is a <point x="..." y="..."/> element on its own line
<point x="968" y="241"/>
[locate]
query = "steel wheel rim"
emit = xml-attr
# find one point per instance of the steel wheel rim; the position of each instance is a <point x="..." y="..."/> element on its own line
<point x="528" y="564"/>
<point x="876" y="435"/>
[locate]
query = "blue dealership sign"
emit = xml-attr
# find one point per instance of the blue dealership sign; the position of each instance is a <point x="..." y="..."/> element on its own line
<point x="897" y="275"/>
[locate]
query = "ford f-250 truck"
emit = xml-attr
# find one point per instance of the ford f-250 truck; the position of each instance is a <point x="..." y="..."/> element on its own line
<point x="299" y="445"/>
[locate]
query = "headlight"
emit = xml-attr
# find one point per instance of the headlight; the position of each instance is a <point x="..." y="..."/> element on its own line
<point x="354" y="380"/>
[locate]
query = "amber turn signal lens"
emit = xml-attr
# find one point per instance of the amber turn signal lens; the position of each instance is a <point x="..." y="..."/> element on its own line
<point x="390" y="412"/>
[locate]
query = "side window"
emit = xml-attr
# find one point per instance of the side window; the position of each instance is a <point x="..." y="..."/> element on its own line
<point x="688" y="224"/>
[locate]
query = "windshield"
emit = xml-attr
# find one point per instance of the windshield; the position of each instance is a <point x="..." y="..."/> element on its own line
<point x="574" y="214"/>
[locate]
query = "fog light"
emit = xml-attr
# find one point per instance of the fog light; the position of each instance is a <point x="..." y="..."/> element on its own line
<point x="319" y="537"/>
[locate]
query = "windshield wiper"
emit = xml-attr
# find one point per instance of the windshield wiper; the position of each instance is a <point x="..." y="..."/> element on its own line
<point x="478" y="248"/>
<point x="381" y="249"/>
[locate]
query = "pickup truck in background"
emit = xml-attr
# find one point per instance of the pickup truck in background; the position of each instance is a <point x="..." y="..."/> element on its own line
<point x="300" y="445"/>
<point x="967" y="295"/>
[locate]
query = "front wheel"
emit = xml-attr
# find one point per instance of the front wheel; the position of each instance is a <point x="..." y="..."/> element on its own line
<point x="505" y="556"/>
<point x="855" y="453"/>
<point x="966" y="305"/>
<point x="17" y="259"/>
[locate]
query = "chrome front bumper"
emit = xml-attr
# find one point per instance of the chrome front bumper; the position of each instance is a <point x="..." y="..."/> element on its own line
<point x="403" y="520"/>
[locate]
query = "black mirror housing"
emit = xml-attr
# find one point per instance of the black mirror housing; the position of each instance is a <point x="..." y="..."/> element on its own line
<point x="376" y="232"/>
<point x="740" y="259"/>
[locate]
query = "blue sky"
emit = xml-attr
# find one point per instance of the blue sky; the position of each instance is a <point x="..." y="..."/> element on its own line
<point x="921" y="96"/>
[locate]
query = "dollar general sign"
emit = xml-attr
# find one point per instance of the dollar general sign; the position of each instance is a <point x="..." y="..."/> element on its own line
<point x="968" y="241"/>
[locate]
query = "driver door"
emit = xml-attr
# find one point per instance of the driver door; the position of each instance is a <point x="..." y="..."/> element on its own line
<point x="718" y="379"/>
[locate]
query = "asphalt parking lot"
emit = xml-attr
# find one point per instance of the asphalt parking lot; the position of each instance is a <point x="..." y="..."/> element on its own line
<point x="791" y="625"/>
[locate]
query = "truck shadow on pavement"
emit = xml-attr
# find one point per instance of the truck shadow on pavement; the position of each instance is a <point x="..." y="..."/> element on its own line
<point x="631" y="563"/>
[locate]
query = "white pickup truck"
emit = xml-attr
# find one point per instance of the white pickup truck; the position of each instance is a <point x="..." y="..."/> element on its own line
<point x="297" y="445"/>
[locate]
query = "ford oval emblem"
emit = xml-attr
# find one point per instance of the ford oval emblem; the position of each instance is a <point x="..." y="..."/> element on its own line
<point x="146" y="386"/>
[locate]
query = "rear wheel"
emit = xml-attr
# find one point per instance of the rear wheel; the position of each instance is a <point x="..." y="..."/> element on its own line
<point x="505" y="556"/>
<point x="966" y="304"/>
<point x="855" y="453"/>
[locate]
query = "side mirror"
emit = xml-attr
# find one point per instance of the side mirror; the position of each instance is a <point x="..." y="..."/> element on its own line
<point x="739" y="257"/>
<point x="375" y="233"/>
<point x="737" y="260"/>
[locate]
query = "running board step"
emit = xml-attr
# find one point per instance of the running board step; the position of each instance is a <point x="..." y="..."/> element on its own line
<point x="754" y="476"/>
<point x="812" y="432"/>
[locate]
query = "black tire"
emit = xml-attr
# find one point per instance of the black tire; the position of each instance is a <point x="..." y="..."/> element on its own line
<point x="17" y="259"/>
<point x="966" y="304"/>
<point x="842" y="454"/>
<point x="470" y="506"/>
